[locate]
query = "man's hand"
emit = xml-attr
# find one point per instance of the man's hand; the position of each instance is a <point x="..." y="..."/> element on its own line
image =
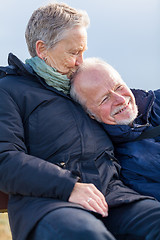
<point x="89" y="197"/>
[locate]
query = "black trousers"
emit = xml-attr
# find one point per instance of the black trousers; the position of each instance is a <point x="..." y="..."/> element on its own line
<point x="134" y="221"/>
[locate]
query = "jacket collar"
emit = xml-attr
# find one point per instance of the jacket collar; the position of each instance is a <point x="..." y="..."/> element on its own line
<point x="144" y="101"/>
<point x="17" y="67"/>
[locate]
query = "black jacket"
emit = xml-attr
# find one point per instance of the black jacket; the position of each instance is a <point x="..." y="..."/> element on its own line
<point x="47" y="143"/>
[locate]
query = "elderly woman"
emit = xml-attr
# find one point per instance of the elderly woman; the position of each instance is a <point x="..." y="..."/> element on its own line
<point x="56" y="163"/>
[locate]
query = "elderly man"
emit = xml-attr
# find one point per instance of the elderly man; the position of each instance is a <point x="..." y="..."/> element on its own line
<point x="124" y="114"/>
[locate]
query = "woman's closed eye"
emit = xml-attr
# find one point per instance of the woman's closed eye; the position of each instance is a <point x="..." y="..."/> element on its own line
<point x="75" y="53"/>
<point x="80" y="51"/>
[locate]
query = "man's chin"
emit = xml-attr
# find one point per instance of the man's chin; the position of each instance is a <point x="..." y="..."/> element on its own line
<point x="124" y="122"/>
<point x="127" y="121"/>
<point x="130" y="119"/>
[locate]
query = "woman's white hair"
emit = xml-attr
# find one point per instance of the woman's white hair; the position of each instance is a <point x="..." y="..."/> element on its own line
<point x="51" y="22"/>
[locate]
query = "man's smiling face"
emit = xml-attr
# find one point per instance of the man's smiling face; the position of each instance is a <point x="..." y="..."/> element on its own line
<point x="106" y="95"/>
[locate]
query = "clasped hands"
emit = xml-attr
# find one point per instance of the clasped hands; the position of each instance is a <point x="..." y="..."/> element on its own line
<point x="89" y="197"/>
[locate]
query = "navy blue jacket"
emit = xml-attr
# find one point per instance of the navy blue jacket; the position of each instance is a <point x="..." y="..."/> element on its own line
<point x="47" y="144"/>
<point x="140" y="160"/>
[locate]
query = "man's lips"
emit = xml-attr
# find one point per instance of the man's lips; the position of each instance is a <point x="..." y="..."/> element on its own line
<point x="121" y="109"/>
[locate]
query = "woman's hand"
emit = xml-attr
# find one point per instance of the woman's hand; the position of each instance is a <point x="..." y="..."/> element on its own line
<point x="89" y="197"/>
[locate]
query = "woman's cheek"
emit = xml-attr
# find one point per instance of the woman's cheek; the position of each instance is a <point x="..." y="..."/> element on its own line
<point x="71" y="62"/>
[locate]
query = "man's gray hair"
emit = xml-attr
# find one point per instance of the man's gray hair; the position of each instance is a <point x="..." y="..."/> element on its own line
<point x="51" y="22"/>
<point x="86" y="65"/>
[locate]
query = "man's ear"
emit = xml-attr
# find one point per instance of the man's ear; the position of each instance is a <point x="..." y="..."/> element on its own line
<point x="41" y="49"/>
<point x="91" y="116"/>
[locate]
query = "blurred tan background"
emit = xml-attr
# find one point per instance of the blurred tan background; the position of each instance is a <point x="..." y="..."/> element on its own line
<point x="5" y="233"/>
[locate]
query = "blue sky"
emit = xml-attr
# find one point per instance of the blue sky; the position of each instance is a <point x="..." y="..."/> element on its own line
<point x="125" y="33"/>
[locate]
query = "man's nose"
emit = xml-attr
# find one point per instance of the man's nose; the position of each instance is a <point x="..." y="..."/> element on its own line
<point x="79" y="60"/>
<point x="118" y="99"/>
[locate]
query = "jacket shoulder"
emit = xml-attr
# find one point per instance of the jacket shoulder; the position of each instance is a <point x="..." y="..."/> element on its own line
<point x="5" y="71"/>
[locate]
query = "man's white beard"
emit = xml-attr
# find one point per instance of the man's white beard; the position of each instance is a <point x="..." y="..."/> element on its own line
<point x="130" y="119"/>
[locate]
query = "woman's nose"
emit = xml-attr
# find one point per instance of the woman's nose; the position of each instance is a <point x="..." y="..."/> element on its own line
<point x="79" y="60"/>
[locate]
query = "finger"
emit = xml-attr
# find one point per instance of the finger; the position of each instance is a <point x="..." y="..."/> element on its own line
<point x="103" y="200"/>
<point x="92" y="204"/>
<point x="98" y="193"/>
<point x="97" y="196"/>
<point x="100" y="196"/>
<point x="82" y="192"/>
<point x="89" y="207"/>
<point x="100" y="202"/>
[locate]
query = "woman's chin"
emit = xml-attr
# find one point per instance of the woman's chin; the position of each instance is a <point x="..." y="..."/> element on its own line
<point x="70" y="74"/>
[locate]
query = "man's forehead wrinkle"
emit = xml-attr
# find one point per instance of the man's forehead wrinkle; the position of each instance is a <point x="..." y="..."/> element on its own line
<point x="92" y="77"/>
<point x="87" y="79"/>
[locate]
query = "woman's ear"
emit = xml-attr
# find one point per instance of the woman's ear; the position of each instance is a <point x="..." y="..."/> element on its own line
<point x="41" y="49"/>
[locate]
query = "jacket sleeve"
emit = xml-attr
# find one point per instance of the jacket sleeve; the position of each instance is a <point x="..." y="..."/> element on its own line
<point x="21" y="173"/>
<point x="155" y="110"/>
